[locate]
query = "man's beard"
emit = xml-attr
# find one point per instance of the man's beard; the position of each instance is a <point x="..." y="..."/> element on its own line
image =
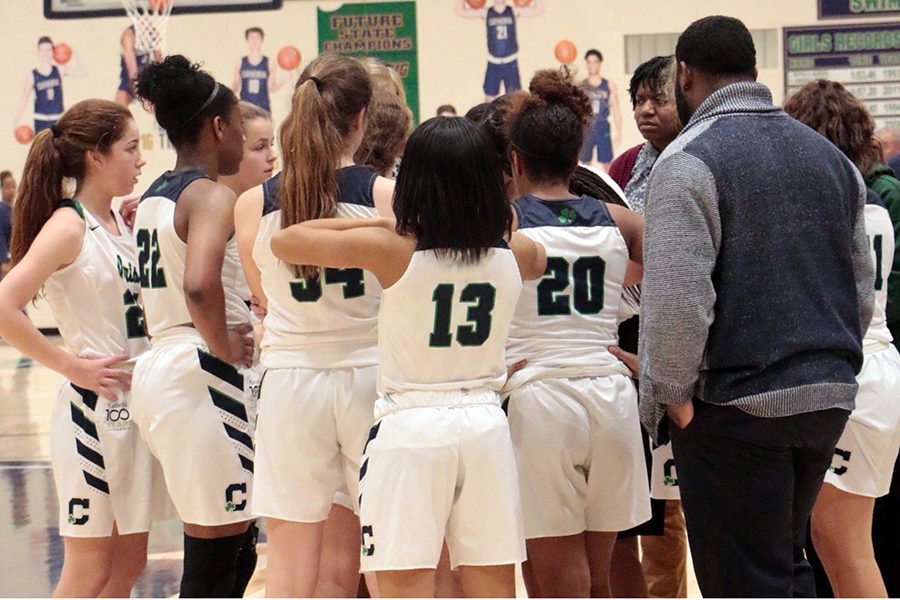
<point x="684" y="111"/>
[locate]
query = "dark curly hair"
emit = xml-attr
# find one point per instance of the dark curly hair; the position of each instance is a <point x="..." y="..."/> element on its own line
<point x="546" y="126"/>
<point x="182" y="97"/>
<point x="830" y="109"/>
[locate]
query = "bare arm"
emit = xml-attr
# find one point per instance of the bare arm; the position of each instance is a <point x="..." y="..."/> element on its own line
<point x="209" y="218"/>
<point x="275" y="83"/>
<point x="370" y="244"/>
<point x="56" y="246"/>
<point x="616" y="113"/>
<point x="631" y="226"/>
<point x="384" y="196"/>
<point x="236" y="78"/>
<point x="27" y="90"/>
<point x="75" y="68"/>
<point x="128" y="54"/>
<point x="247" y="218"/>
<point x="530" y="256"/>
<point x="467" y="12"/>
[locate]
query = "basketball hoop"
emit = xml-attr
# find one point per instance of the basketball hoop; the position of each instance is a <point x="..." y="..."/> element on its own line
<point x="150" y="18"/>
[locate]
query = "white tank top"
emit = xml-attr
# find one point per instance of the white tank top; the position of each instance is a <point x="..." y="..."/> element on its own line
<point x="161" y="255"/>
<point x="443" y="324"/>
<point x="96" y="300"/>
<point x="565" y="321"/>
<point x="324" y="323"/>
<point x="880" y="232"/>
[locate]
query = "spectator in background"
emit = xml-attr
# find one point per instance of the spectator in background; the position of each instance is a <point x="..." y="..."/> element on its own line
<point x="755" y="298"/>
<point x="890" y="143"/>
<point x="8" y="187"/>
<point x="663" y="562"/>
<point x="446" y="110"/>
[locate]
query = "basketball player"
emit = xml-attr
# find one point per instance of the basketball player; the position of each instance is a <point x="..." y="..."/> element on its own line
<point x="863" y="462"/>
<point x="440" y="445"/>
<point x="256" y="167"/>
<point x="45" y="82"/>
<point x="604" y="96"/>
<point x="131" y="61"/>
<point x="189" y="394"/>
<point x="388" y="122"/>
<point x="319" y="345"/>
<point x="573" y="394"/>
<point x="80" y="253"/>
<point x="254" y="76"/>
<point x="502" y="42"/>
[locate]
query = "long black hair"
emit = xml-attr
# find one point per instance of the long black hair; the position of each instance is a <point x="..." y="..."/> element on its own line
<point x="450" y="193"/>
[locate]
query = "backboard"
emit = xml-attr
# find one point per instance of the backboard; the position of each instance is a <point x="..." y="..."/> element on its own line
<point x="86" y="9"/>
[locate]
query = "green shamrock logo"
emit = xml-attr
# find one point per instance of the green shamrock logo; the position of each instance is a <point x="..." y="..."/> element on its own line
<point x="567" y="216"/>
<point x="229" y="506"/>
<point x="71" y="520"/>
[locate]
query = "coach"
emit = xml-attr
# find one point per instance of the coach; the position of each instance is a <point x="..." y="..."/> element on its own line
<point x="758" y="286"/>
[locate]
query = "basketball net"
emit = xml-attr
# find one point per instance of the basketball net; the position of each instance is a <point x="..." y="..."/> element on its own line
<point x="150" y="18"/>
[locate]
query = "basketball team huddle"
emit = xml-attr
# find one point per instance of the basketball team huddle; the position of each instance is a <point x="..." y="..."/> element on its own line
<point x="415" y="378"/>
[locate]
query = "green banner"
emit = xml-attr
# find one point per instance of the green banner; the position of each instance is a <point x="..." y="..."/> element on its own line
<point x="385" y="30"/>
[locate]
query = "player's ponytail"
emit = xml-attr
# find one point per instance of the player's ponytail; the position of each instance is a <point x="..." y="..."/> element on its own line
<point x="546" y="126"/>
<point x="57" y="156"/>
<point x="329" y="95"/>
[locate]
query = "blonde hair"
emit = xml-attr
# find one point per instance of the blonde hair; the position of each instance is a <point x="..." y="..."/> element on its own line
<point x="387" y="79"/>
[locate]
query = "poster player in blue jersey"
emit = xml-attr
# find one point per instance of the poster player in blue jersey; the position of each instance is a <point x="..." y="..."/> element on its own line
<point x="604" y="98"/>
<point x="45" y="82"/>
<point x="502" y="41"/>
<point x="255" y="76"/>
<point x="133" y="58"/>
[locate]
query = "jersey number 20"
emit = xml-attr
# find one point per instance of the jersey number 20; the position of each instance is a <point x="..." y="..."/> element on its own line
<point x="588" y="273"/>
<point x="480" y="297"/>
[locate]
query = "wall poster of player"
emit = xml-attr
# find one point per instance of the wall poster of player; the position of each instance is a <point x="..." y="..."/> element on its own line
<point x="502" y="39"/>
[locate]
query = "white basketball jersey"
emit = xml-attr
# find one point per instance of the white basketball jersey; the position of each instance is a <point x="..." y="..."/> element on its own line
<point x="443" y="325"/>
<point x="880" y="232"/>
<point x="564" y="321"/>
<point x="96" y="300"/>
<point x="326" y="322"/>
<point x="161" y="255"/>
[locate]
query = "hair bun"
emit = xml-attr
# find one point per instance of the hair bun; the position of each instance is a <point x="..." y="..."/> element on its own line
<point x="556" y="87"/>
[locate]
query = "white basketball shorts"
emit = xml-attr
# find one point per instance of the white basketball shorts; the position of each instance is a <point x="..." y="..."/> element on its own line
<point x="104" y="471"/>
<point x="310" y="435"/>
<point x="435" y="472"/>
<point x="191" y="408"/>
<point x="863" y="461"/>
<point x="580" y="456"/>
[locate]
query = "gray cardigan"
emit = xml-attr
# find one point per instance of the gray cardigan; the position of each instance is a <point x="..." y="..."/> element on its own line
<point x="758" y="284"/>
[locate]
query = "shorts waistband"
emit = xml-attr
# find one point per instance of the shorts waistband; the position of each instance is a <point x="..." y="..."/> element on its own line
<point x="178" y="335"/>
<point x="506" y="60"/>
<point x="388" y="403"/>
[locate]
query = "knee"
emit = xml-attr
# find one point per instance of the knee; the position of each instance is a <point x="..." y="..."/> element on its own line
<point x="826" y="539"/>
<point x="94" y="579"/>
<point x="128" y="571"/>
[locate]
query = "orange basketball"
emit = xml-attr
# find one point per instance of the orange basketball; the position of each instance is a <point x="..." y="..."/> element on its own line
<point x="159" y="5"/>
<point x="565" y="52"/>
<point x="24" y="134"/>
<point x="62" y="53"/>
<point x="475" y="3"/>
<point x="289" y="58"/>
<point x="523" y="2"/>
